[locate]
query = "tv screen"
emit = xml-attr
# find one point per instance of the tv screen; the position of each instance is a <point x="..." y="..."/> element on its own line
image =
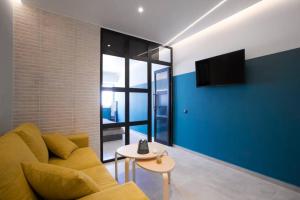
<point x="223" y="69"/>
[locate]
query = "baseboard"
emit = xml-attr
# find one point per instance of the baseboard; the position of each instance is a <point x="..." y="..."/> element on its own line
<point x="256" y="174"/>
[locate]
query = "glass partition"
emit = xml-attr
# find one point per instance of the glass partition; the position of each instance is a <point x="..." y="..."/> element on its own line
<point x="161" y="54"/>
<point x="113" y="107"/>
<point x="128" y="66"/>
<point x="138" y="107"/>
<point x="113" y="71"/>
<point x="112" y="139"/>
<point x="137" y="133"/>
<point x="138" y="71"/>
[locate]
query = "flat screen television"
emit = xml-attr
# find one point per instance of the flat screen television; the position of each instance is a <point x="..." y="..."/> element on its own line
<point x="223" y="69"/>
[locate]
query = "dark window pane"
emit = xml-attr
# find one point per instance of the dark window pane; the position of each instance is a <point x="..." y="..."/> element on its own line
<point x="138" y="49"/>
<point x="113" y="43"/>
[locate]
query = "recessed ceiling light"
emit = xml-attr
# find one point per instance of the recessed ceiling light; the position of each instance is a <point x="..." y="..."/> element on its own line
<point x="108" y="45"/>
<point x="140" y="9"/>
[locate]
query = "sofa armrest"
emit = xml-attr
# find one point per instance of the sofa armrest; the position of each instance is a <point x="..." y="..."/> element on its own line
<point x="80" y="139"/>
<point x="127" y="191"/>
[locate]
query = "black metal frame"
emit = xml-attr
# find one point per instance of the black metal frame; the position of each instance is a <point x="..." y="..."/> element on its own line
<point x="127" y="90"/>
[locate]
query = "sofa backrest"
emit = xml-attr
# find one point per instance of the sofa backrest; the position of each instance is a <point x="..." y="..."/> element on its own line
<point x="13" y="184"/>
<point x="32" y="136"/>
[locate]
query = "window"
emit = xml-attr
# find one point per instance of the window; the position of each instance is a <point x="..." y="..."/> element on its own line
<point x="107" y="99"/>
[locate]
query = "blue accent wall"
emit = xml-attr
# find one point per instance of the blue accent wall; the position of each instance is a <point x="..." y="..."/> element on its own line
<point x="106" y="113"/>
<point x="254" y="125"/>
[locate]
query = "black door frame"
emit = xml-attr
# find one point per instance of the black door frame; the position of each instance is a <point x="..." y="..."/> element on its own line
<point x="127" y="90"/>
<point x="170" y="139"/>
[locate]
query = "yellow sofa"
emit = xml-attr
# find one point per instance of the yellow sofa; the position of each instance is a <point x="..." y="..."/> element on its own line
<point x="15" y="149"/>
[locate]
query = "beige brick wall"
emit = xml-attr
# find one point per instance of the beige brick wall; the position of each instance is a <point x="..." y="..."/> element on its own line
<point x="56" y="73"/>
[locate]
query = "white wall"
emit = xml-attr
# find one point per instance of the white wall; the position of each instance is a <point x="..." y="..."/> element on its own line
<point x="267" y="27"/>
<point x="5" y="64"/>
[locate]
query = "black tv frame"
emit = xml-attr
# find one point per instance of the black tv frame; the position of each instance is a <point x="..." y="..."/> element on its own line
<point x="207" y="74"/>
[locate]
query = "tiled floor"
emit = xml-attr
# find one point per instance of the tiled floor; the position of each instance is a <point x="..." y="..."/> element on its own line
<point x="196" y="177"/>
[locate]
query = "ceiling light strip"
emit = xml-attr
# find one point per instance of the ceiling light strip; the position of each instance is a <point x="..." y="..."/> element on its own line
<point x="195" y="22"/>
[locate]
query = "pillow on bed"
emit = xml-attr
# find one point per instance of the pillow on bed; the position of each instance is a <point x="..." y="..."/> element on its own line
<point x="59" y="145"/>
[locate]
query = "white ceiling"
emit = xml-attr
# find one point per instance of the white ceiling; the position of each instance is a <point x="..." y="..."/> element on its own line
<point x="161" y="20"/>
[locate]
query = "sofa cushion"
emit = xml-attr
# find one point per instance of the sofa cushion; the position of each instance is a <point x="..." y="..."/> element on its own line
<point x="54" y="182"/>
<point x="33" y="138"/>
<point x="13" y="184"/>
<point x="59" y="145"/>
<point x="81" y="158"/>
<point x="128" y="191"/>
<point x="101" y="176"/>
<point x="80" y="139"/>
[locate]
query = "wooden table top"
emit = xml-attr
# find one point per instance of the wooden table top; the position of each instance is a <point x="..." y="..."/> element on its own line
<point x="165" y="166"/>
<point x="130" y="151"/>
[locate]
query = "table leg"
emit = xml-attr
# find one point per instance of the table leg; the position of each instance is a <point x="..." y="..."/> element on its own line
<point x="127" y="160"/>
<point x="165" y="186"/>
<point x="169" y="177"/>
<point x="116" y="167"/>
<point x="133" y="170"/>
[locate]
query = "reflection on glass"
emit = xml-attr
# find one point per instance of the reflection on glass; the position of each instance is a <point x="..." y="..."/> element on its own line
<point x="138" y="74"/>
<point x="113" y="138"/>
<point x="113" y="107"/>
<point x="164" y="54"/>
<point x="138" y="48"/>
<point x="162" y="105"/>
<point x="138" y="107"/>
<point x="161" y="54"/>
<point x="138" y="133"/>
<point x="113" y="71"/>
<point x="162" y="129"/>
<point x="156" y="67"/>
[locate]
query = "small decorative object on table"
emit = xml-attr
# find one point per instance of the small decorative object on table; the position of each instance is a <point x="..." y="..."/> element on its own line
<point x="158" y="159"/>
<point x="143" y="147"/>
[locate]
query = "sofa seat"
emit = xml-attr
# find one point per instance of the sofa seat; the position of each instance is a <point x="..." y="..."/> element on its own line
<point x="101" y="176"/>
<point x="79" y="159"/>
<point x="127" y="191"/>
<point x="14" y="150"/>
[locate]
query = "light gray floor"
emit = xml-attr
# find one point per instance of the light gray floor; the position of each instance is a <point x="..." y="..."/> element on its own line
<point x="196" y="177"/>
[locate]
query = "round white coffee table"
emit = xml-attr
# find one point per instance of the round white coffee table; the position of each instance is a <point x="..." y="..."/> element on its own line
<point x="130" y="153"/>
<point x="165" y="167"/>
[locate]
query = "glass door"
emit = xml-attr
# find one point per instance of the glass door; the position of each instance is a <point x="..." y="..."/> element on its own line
<point x="161" y="108"/>
<point x="126" y="90"/>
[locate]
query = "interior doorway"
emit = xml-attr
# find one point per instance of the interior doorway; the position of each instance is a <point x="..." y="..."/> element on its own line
<point x="126" y="85"/>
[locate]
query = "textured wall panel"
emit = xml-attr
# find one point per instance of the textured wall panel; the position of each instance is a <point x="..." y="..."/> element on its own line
<point x="56" y="73"/>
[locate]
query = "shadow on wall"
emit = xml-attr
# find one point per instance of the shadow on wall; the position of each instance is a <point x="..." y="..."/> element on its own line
<point x="254" y="125"/>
